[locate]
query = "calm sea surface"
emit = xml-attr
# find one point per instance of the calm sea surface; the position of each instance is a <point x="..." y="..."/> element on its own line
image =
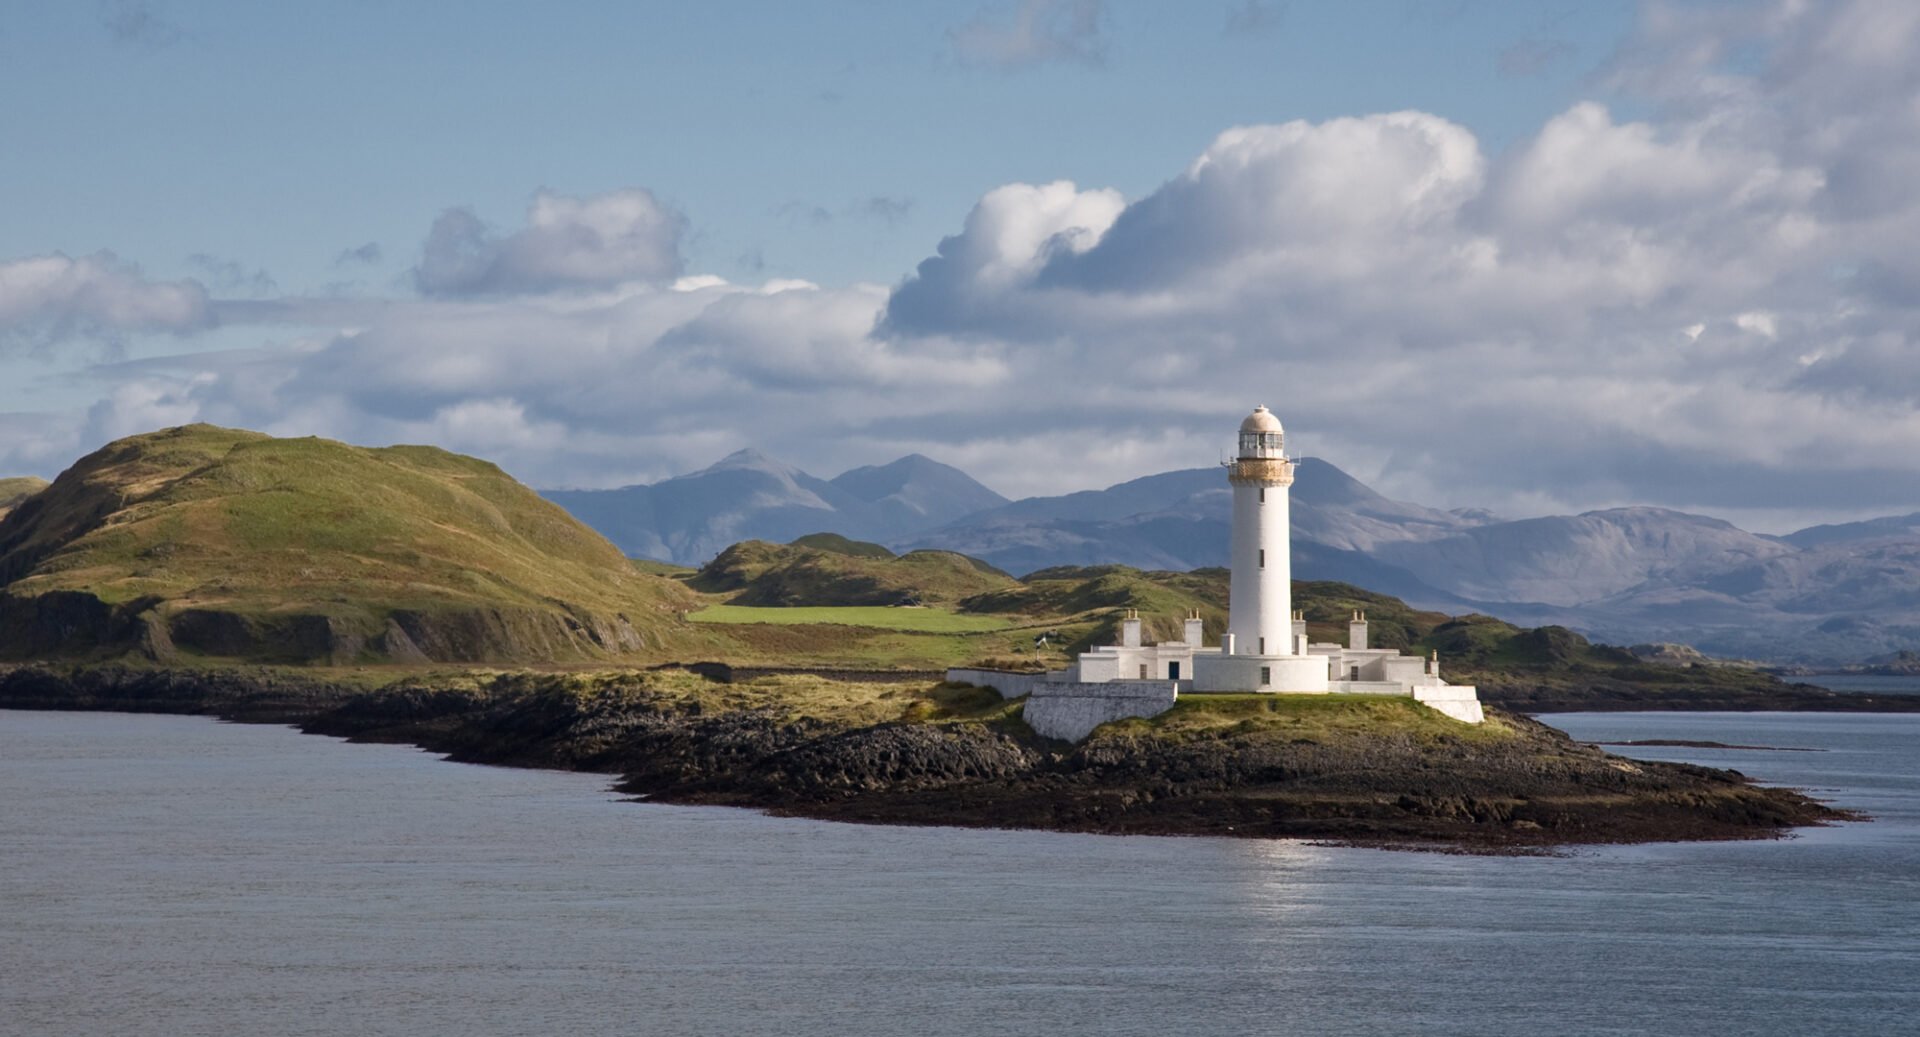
<point x="1865" y="682"/>
<point x="172" y="875"/>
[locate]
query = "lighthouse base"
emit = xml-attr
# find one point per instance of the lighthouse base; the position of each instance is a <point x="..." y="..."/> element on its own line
<point x="1213" y="671"/>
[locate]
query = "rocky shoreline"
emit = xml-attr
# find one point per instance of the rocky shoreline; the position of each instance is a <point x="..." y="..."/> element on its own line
<point x="936" y="763"/>
<point x="1594" y="694"/>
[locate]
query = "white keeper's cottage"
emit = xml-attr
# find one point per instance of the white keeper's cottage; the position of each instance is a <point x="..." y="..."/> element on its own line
<point x="1265" y="648"/>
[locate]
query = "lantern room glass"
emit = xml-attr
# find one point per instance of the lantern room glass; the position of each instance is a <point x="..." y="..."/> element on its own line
<point x="1261" y="444"/>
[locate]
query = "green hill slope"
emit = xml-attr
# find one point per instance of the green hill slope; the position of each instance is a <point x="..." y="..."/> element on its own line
<point x="203" y="541"/>
<point x="16" y="489"/>
<point x="839" y="572"/>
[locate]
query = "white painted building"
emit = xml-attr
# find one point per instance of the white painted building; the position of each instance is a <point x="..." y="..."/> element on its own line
<point x="1265" y="648"/>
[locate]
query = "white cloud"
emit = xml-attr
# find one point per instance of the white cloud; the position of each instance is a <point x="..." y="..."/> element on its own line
<point x="568" y="242"/>
<point x="143" y="405"/>
<point x="50" y="298"/>
<point x="1008" y="237"/>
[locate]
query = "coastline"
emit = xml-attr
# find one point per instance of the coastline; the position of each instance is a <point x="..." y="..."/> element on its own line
<point x="1531" y="790"/>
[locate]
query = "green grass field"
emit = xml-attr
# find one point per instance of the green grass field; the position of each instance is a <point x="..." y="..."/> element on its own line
<point x="881" y="617"/>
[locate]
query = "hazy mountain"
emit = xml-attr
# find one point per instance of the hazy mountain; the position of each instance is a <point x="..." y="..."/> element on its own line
<point x="1574" y="559"/>
<point x="1825" y="594"/>
<point x="916" y="492"/>
<point x="750" y="496"/>
<point x="1871" y="529"/>
<point x="1179" y="520"/>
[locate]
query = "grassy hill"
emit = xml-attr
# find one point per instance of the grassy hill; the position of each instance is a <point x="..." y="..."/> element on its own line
<point x="16" y="489"/>
<point x="1097" y="596"/>
<point x="1076" y="608"/>
<point x="204" y="541"/>
<point x="208" y="543"/>
<point x="826" y="570"/>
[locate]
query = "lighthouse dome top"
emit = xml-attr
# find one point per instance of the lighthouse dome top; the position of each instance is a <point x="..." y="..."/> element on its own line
<point x="1261" y="437"/>
<point x="1261" y="420"/>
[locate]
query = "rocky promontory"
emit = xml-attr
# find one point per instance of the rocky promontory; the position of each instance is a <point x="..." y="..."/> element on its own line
<point x="1384" y="772"/>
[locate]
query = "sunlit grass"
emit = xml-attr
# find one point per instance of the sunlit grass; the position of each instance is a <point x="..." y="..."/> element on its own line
<point x="881" y="617"/>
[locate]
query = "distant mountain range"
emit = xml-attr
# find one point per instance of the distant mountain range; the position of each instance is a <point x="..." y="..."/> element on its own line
<point x="749" y="496"/>
<point x="1827" y="594"/>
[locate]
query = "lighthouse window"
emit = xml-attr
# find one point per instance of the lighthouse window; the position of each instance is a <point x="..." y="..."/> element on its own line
<point x="1263" y="559"/>
<point x="1263" y="646"/>
<point x="1263" y="494"/>
<point x="1266" y="676"/>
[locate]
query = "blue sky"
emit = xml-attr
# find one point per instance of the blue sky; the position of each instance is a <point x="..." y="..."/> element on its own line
<point x="229" y="212"/>
<point x="278" y="136"/>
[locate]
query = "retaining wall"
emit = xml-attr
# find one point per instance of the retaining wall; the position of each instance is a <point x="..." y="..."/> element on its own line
<point x="1009" y="684"/>
<point x="1071" y="711"/>
<point x="1459" y="701"/>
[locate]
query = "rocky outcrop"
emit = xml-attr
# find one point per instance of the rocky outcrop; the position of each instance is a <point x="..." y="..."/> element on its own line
<point x="1536" y="788"/>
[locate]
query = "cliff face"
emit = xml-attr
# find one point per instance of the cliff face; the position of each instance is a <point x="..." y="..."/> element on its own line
<point x="1383" y="772"/>
<point x="201" y="542"/>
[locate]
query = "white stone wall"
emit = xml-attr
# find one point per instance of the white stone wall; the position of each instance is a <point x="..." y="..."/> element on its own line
<point x="1408" y="669"/>
<point x="1101" y="666"/>
<point x="1010" y="685"/>
<point x="1459" y="701"/>
<point x="1071" y="711"/>
<point x="1242" y="673"/>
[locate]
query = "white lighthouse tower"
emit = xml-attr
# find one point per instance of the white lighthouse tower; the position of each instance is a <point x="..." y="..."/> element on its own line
<point x="1265" y="649"/>
<point x="1260" y="651"/>
<point x="1260" y="609"/>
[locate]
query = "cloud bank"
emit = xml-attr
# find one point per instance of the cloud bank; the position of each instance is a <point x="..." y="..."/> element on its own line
<point x="1713" y="306"/>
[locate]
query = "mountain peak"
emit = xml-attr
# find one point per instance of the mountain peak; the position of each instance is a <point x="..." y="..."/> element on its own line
<point x="749" y="459"/>
<point x="920" y="483"/>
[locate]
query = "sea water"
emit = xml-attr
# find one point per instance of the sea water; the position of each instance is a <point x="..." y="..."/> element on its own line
<point x="174" y="875"/>
<point x="1873" y="683"/>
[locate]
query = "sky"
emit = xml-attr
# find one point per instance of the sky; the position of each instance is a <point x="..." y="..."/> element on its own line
<point x="1531" y="257"/>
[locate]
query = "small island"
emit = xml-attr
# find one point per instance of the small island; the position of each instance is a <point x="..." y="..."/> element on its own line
<point x="411" y="595"/>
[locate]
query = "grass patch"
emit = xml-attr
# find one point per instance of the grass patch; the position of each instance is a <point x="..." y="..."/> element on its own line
<point x="879" y="617"/>
<point x="799" y="696"/>
<point x="1310" y="717"/>
<point x="657" y="568"/>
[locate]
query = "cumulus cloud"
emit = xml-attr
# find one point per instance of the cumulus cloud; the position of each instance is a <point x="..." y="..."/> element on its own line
<point x="143" y="405"/>
<point x="1724" y="283"/>
<point x="52" y="298"/>
<point x="568" y="242"/>
<point x="570" y="389"/>
<point x="1033" y="32"/>
<point x="1712" y="302"/>
<point x="1008" y="237"/>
